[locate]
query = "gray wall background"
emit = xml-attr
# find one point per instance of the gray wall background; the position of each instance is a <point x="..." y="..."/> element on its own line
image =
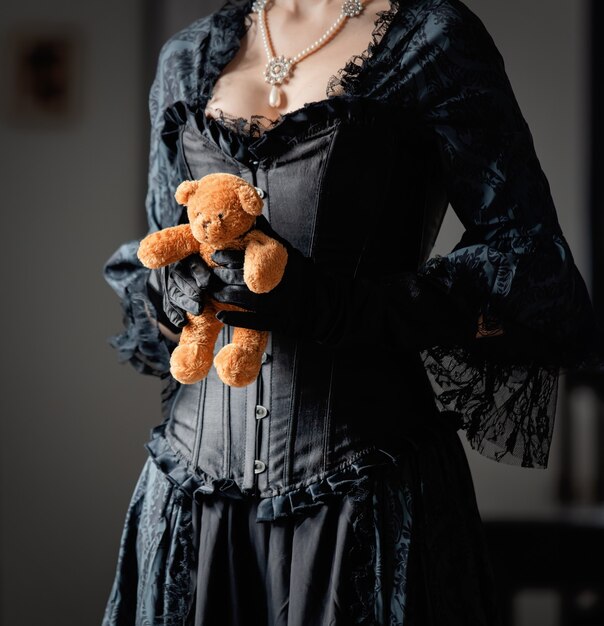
<point x="74" y="421"/>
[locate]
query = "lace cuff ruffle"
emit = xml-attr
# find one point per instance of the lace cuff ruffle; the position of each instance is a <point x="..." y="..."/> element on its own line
<point x="141" y="343"/>
<point x="504" y="388"/>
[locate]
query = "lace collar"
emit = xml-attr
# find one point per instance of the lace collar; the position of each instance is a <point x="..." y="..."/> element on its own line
<point x="229" y="25"/>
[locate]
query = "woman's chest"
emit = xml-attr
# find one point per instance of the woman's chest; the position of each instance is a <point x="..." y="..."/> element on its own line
<point x="242" y="90"/>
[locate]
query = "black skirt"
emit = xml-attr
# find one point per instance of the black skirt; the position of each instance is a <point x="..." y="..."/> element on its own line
<point x="395" y="541"/>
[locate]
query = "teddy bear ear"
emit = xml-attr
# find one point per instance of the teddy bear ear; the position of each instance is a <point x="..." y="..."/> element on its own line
<point x="251" y="202"/>
<point x="184" y="191"/>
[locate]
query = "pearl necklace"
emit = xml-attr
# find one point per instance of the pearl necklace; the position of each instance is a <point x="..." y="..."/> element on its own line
<point x="279" y="68"/>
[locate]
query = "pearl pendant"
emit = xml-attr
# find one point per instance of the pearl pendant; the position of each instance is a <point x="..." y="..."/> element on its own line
<point x="274" y="98"/>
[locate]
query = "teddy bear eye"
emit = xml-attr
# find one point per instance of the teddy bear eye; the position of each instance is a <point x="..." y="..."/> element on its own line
<point x="220" y="216"/>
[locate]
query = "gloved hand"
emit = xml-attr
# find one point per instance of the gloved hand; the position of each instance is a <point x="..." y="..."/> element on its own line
<point x="178" y="288"/>
<point x="395" y="310"/>
<point x="291" y="307"/>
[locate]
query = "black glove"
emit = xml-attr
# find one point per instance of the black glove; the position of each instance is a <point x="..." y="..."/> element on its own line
<point x="290" y="307"/>
<point x="396" y="310"/>
<point x="178" y="288"/>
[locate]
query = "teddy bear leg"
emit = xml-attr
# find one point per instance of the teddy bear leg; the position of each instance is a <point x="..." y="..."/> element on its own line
<point x="238" y="363"/>
<point x="192" y="358"/>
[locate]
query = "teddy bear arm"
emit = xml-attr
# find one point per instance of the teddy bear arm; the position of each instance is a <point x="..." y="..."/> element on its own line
<point x="264" y="262"/>
<point x="167" y="246"/>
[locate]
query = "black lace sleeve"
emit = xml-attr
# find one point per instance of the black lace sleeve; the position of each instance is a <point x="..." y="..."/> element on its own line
<point x="141" y="343"/>
<point x="513" y="267"/>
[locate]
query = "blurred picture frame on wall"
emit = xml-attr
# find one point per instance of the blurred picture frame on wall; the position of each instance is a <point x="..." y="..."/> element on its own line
<point x="45" y="75"/>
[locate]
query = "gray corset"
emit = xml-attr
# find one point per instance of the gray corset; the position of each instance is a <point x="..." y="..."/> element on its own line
<point x="344" y="187"/>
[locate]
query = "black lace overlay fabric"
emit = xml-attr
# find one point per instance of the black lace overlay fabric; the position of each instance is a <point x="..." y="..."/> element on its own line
<point x="512" y="269"/>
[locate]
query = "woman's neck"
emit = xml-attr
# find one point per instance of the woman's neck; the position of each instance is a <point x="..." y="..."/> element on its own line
<point x="306" y="7"/>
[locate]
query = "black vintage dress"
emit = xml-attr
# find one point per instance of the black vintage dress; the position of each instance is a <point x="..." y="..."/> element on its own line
<point x="392" y="537"/>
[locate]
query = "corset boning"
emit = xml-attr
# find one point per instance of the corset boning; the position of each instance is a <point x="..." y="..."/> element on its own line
<point x="313" y="410"/>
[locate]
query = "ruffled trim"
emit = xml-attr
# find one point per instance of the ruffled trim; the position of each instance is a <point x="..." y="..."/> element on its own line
<point x="505" y="387"/>
<point x="492" y="276"/>
<point x="178" y="469"/>
<point x="345" y="481"/>
<point x="253" y="128"/>
<point x="350" y="78"/>
<point x="141" y="343"/>
<point x="307" y="121"/>
<point x="175" y="116"/>
<point x="195" y="483"/>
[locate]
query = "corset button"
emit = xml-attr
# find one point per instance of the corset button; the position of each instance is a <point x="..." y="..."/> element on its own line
<point x="259" y="466"/>
<point x="260" y="192"/>
<point x="265" y="357"/>
<point x="261" y="411"/>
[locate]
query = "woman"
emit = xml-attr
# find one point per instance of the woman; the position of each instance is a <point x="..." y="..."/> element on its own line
<point x="335" y="489"/>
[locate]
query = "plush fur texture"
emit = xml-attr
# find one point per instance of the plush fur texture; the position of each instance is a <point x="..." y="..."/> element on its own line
<point x="222" y="209"/>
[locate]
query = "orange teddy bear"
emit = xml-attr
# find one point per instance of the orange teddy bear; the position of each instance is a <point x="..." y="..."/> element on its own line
<point x="222" y="210"/>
